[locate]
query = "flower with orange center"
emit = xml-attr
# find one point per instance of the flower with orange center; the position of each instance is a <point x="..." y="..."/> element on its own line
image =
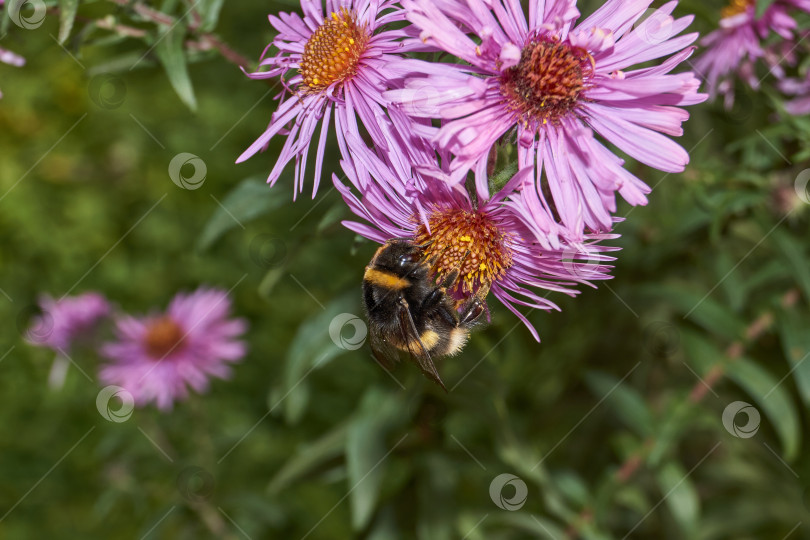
<point x="546" y="83"/>
<point x="565" y="90"/>
<point x="332" y="53"/>
<point x="334" y="58"/>
<point x="158" y="358"/>
<point x="163" y="336"/>
<point x="467" y="242"/>
<point x="735" y="7"/>
<point x="494" y="243"/>
<point x="746" y="37"/>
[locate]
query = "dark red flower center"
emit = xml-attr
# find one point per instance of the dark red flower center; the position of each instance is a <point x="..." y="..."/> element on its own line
<point x="546" y="83"/>
<point x="333" y="51"/>
<point x="735" y="7"/>
<point x="163" y="336"/>
<point x="469" y="242"/>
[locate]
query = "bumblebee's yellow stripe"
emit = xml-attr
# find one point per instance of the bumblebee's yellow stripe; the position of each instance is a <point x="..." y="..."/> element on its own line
<point x="385" y="279"/>
<point x="429" y="339"/>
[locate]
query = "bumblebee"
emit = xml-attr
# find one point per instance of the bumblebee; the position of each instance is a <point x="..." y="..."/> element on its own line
<point x="409" y="311"/>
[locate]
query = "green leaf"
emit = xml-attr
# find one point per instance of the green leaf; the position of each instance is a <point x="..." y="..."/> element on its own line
<point x="367" y="450"/>
<point x="762" y="6"/>
<point x="625" y="400"/>
<point x="270" y="280"/>
<point x="170" y="52"/>
<point x="312" y="348"/>
<point x="701" y="309"/>
<point x="793" y="329"/>
<point x="437" y="480"/>
<point x="332" y="216"/>
<point x="327" y="447"/>
<point x="209" y="10"/>
<point x="681" y="497"/>
<point x="793" y="252"/>
<point x="537" y="526"/>
<point x="773" y="398"/>
<point x="67" y="14"/>
<point x="252" y="198"/>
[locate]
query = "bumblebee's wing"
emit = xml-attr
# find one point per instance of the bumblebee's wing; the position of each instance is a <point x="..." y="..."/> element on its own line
<point x="384" y="353"/>
<point x="416" y="348"/>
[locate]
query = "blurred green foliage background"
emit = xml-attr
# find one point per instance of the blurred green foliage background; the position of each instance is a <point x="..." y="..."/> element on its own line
<point x="613" y="422"/>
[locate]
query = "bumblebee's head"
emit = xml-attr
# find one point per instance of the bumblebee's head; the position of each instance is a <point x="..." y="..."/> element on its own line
<point x="401" y="258"/>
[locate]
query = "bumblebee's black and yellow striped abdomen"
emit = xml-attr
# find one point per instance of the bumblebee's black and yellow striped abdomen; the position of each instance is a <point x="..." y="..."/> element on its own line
<point x="408" y="311"/>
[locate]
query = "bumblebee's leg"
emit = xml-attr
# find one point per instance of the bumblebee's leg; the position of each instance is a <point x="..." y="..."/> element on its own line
<point x="472" y="311"/>
<point x="434" y="302"/>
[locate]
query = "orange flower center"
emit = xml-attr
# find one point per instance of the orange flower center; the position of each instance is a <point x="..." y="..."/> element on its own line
<point x="468" y="242"/>
<point x="163" y="336"/>
<point x="546" y="83"/>
<point x="333" y="52"/>
<point x="735" y="7"/>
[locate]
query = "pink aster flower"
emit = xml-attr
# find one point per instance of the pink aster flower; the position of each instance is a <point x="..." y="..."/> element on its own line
<point x="489" y="238"/>
<point x="733" y="49"/>
<point x="8" y="57"/>
<point x="65" y="321"/>
<point x="800" y="88"/>
<point x="157" y="357"/>
<point x="552" y="85"/>
<point x="337" y="59"/>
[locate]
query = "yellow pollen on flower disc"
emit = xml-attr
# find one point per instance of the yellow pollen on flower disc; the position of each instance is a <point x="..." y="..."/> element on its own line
<point x="163" y="336"/>
<point x="735" y="7"/>
<point x="333" y="51"/>
<point x="468" y="242"/>
<point x="545" y="85"/>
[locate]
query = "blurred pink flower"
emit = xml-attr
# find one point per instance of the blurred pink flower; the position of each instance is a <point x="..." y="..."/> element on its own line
<point x="157" y="357"/>
<point x="62" y="322"/>
<point x="800" y="88"/>
<point x="733" y="49"/>
<point x="8" y="57"/>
